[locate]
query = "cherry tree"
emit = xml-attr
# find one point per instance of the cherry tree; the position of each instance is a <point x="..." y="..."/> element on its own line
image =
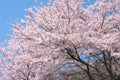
<point x="65" y="40"/>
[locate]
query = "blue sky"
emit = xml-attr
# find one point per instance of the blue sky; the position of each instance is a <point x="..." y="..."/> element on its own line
<point x="12" y="11"/>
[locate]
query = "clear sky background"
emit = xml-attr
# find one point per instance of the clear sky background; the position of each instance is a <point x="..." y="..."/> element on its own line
<point x="12" y="11"/>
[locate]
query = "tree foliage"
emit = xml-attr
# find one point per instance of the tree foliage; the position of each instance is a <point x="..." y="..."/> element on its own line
<point x="65" y="41"/>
